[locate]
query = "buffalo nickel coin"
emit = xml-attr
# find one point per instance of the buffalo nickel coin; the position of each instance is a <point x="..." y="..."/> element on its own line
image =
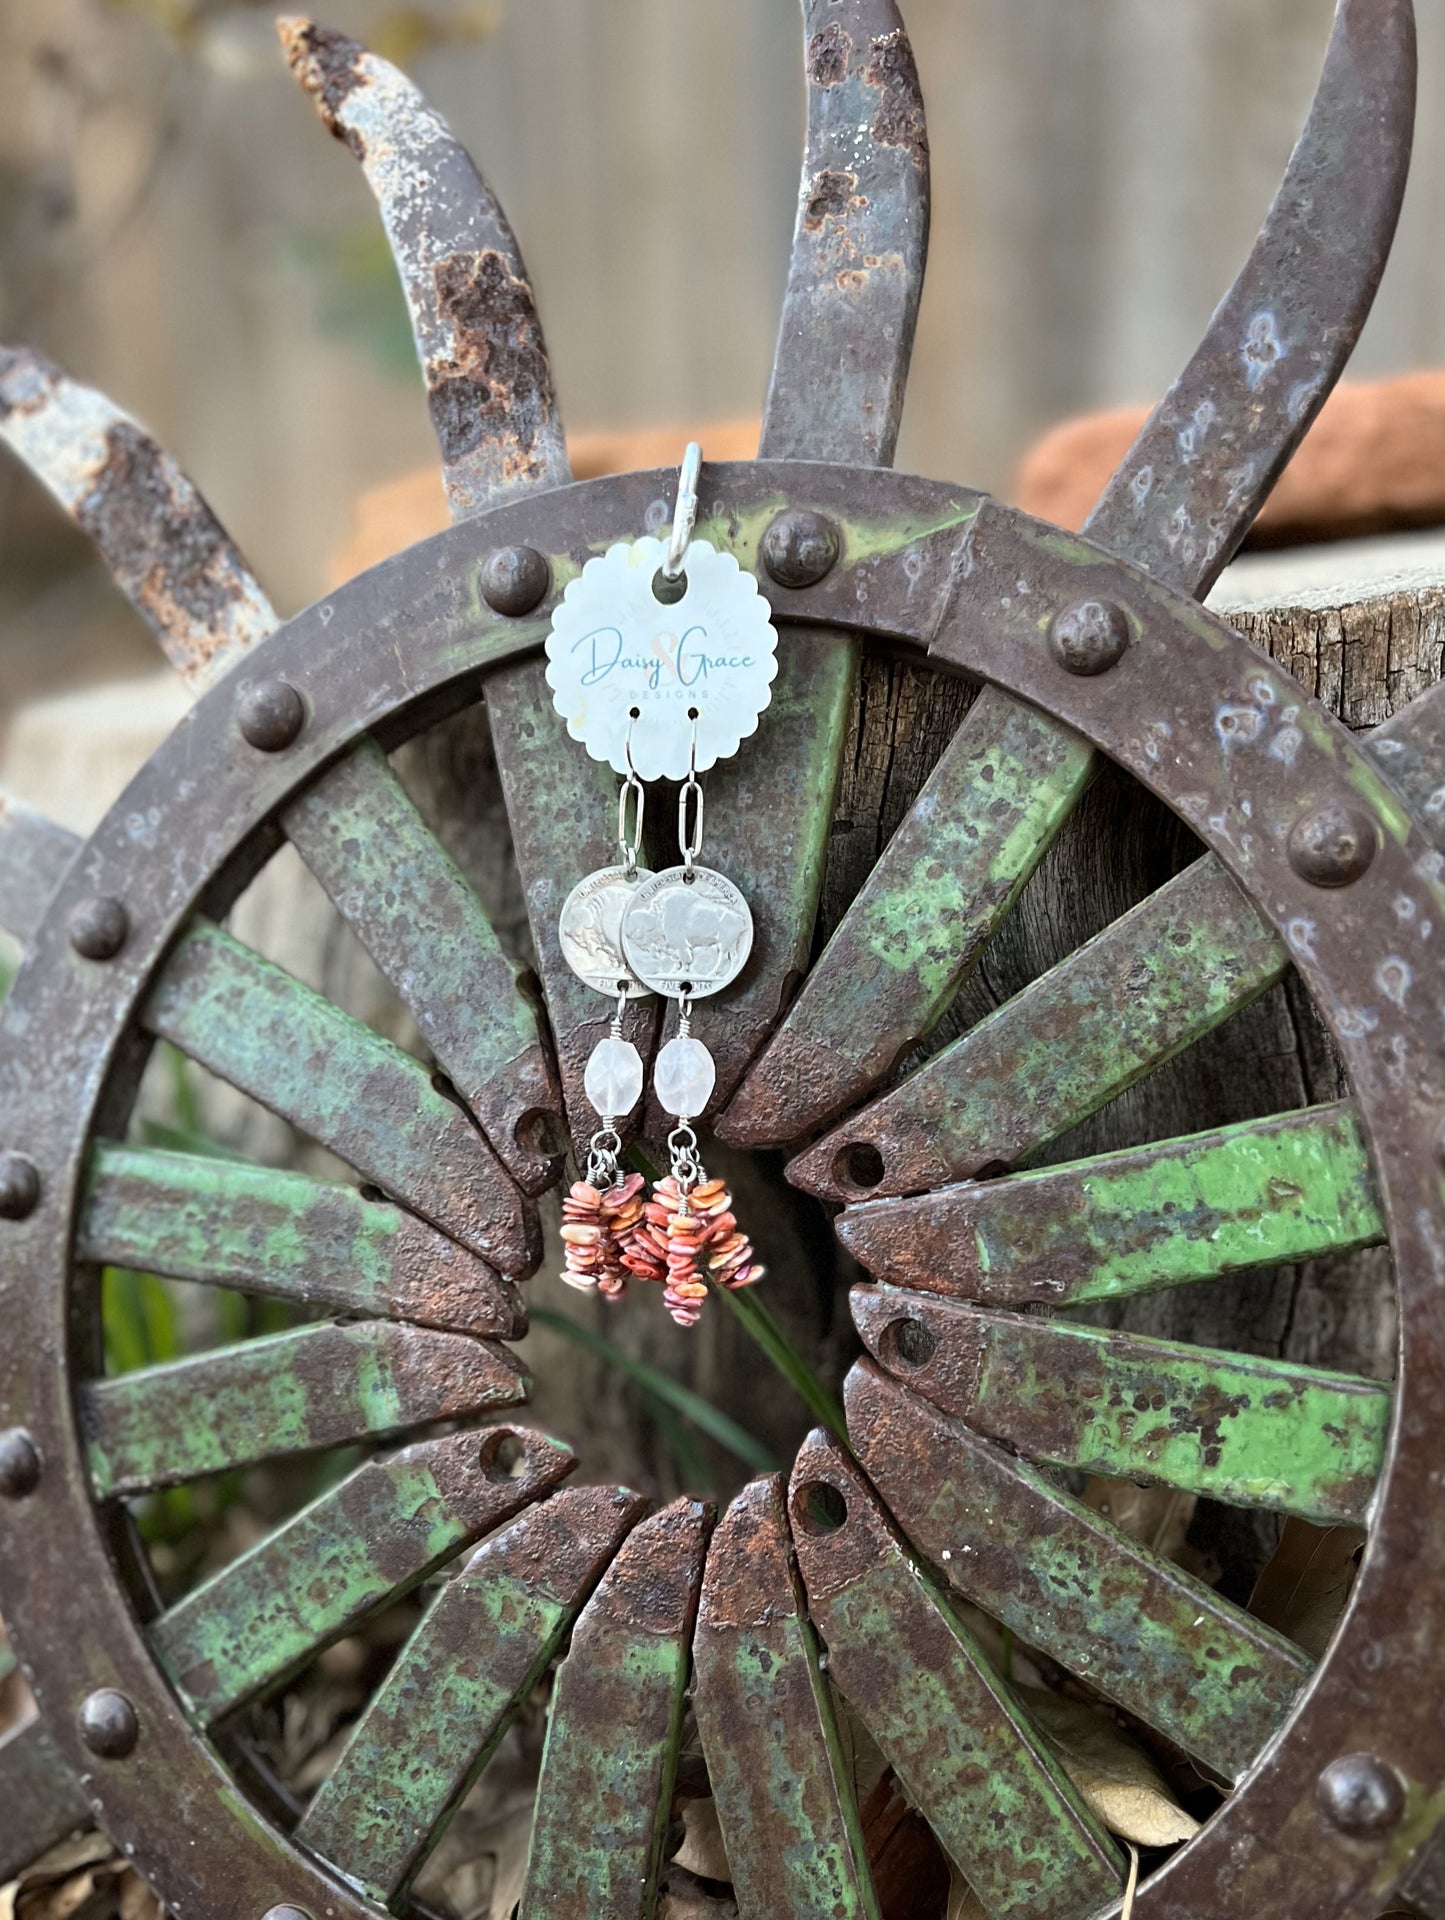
<point x="687" y="935"/>
<point x="590" y="930"/>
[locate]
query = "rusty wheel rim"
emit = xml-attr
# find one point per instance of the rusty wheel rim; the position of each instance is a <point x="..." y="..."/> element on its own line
<point x="69" y="1067"/>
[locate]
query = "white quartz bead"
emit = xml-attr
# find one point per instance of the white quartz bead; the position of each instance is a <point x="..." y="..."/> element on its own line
<point x="684" y="1077"/>
<point x="614" y="1078"/>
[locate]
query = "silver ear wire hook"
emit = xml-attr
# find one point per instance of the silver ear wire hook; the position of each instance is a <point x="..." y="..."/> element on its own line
<point x="630" y="848"/>
<point x="684" y="517"/>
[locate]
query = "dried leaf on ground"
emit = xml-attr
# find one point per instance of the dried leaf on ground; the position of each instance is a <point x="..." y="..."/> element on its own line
<point x="963" y="1902"/>
<point x="702" y="1851"/>
<point x="1118" y="1781"/>
<point x="1303" y="1588"/>
<point x="862" y="1756"/>
<point x="1157" y="1517"/>
<point x="84" y="1878"/>
<point x="909" y="1869"/>
<point x="479" y="1866"/>
<point x="695" y="1906"/>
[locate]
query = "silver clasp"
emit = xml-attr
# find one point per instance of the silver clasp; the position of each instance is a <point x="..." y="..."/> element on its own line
<point x="684" y="517"/>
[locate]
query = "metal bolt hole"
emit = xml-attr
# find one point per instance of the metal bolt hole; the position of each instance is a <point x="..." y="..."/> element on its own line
<point x="911" y="1343"/>
<point x="503" y="1456"/>
<point x="820" y="1508"/>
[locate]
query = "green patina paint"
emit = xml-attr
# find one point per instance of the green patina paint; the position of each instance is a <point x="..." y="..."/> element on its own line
<point x="352" y="1551"/>
<point x="979" y="842"/>
<point x="779" y="1775"/>
<point x="1159" y="1643"/>
<point x="455" y="1689"/>
<point x="319" y="1386"/>
<point x="947" y="879"/>
<point x="1249" y="1195"/>
<point x="862" y="537"/>
<point x="999" y="1803"/>
<point x="606" y="1786"/>
<point x="868" y="539"/>
<point x="223" y="1223"/>
<point x="434" y="1724"/>
<point x="1133" y="997"/>
<point x="1251" y="1432"/>
<point x="337" y="1081"/>
<point x="765" y="1715"/>
<point x="1424" y="1811"/>
<point x="362" y="836"/>
<point x="226" y="1224"/>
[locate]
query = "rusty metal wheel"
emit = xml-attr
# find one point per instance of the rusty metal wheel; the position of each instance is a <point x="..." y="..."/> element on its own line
<point x="1319" y="855"/>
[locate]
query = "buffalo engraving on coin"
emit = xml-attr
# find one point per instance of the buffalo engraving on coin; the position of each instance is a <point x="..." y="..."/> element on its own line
<point x="590" y="930"/>
<point x="687" y="936"/>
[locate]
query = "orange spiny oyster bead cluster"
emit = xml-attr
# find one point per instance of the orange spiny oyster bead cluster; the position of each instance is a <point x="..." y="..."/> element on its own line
<point x="678" y="1234"/>
<point x="597" y="1224"/>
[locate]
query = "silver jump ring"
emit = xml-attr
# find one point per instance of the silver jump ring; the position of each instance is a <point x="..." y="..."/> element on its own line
<point x="630" y="846"/>
<point x="689" y="839"/>
<point x="684" y="517"/>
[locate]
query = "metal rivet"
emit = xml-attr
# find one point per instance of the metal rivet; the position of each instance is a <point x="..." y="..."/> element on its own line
<point x="270" y="714"/>
<point x="286" y="1913"/>
<point x="1333" y="845"/>
<point x="19" y="1186"/>
<point x="1089" y="638"/>
<point x="19" y="1464"/>
<point x="799" y="547"/>
<point x="514" y="580"/>
<point x="1360" y="1794"/>
<point x="108" y="1724"/>
<point x="98" y="928"/>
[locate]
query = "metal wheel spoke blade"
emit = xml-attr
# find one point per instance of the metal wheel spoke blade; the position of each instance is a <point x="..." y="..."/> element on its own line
<point x="1167" y="972"/>
<point x="222" y="1223"/>
<point x="612" y="1733"/>
<point x="488" y="381"/>
<point x="783" y="1787"/>
<point x="845" y="339"/>
<point x="41" y="1801"/>
<point x="1410" y="748"/>
<point x="342" y="1084"/>
<point x="1293" y="1187"/>
<point x="1208" y="457"/>
<point x="405" y="898"/>
<point x="457" y="1686"/>
<point x="1251" y="1432"/>
<point x="354" y="1550"/>
<point x="844" y="344"/>
<point x="34" y="856"/>
<point x="494" y="410"/>
<point x="998" y="1802"/>
<point x="1179" y="505"/>
<point x="1149" y="1636"/>
<point x="185" y="576"/>
<point x="950" y="875"/>
<point x="317" y="1386"/>
<point x="163" y="545"/>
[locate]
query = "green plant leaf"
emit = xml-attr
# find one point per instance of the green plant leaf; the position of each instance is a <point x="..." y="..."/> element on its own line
<point x="702" y="1413"/>
<point x="760" y="1325"/>
<point x="154" y="1133"/>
